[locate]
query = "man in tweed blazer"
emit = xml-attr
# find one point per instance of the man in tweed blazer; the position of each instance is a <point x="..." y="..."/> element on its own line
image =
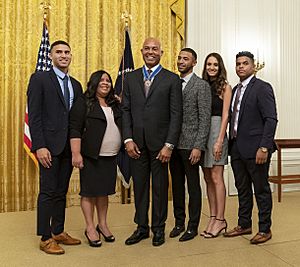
<point x="186" y="156"/>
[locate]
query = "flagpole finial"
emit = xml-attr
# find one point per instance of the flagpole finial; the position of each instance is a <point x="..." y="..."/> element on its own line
<point x="45" y="7"/>
<point x="126" y="17"/>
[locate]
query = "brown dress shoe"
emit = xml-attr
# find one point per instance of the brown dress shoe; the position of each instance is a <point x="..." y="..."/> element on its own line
<point x="51" y="247"/>
<point x="66" y="239"/>
<point x="261" y="238"/>
<point x="236" y="231"/>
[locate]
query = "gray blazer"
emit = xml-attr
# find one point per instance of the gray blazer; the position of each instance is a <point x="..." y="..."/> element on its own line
<point x="196" y="114"/>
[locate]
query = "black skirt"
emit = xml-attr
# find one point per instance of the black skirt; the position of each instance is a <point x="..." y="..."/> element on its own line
<point x="98" y="176"/>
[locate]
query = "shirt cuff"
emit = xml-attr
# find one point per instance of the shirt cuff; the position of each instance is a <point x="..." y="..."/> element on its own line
<point x="128" y="140"/>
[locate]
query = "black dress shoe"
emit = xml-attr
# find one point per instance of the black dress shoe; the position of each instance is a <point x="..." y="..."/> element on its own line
<point x="188" y="235"/>
<point x="136" y="237"/>
<point x="158" y="238"/>
<point x="93" y="243"/>
<point x="177" y="230"/>
<point x="109" y="238"/>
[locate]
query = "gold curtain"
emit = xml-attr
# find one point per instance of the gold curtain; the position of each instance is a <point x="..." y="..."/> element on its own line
<point x="94" y="30"/>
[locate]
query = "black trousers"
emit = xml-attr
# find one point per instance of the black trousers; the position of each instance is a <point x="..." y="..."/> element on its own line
<point x="141" y="169"/>
<point x="180" y="167"/>
<point x="54" y="184"/>
<point x="248" y="173"/>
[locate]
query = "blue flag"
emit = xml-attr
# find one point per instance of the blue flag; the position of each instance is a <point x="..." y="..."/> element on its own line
<point x="126" y="66"/>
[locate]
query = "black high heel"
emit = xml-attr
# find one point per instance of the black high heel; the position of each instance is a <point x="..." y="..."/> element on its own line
<point x="93" y="243"/>
<point x="211" y="235"/>
<point x="110" y="238"/>
<point x="203" y="233"/>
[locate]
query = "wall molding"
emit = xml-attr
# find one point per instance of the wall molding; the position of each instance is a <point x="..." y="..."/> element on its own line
<point x="272" y="26"/>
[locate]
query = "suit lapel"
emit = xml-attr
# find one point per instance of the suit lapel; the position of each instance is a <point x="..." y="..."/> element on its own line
<point x="57" y="86"/>
<point x="189" y="85"/>
<point x="140" y="78"/>
<point x="97" y="112"/>
<point x="245" y="96"/>
<point x="156" y="82"/>
<point x="233" y="92"/>
<point x="75" y="88"/>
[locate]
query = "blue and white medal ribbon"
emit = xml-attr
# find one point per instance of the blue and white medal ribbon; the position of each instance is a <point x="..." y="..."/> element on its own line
<point x="148" y="77"/>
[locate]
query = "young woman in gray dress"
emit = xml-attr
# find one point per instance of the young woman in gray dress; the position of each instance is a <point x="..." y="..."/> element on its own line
<point x="216" y="154"/>
<point x="95" y="122"/>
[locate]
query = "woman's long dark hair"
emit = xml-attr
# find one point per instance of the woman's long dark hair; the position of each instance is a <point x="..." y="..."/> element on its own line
<point x="220" y="80"/>
<point x="92" y="85"/>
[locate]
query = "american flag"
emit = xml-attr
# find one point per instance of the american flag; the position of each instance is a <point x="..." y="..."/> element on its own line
<point x="126" y="66"/>
<point x="43" y="63"/>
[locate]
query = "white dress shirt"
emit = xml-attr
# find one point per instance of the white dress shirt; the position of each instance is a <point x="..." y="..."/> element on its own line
<point x="243" y="89"/>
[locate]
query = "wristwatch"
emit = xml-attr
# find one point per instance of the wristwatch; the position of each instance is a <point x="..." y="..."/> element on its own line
<point x="170" y="146"/>
<point x="263" y="149"/>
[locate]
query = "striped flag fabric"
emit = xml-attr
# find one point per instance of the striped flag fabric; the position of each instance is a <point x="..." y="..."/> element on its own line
<point x="43" y="63"/>
<point x="126" y="66"/>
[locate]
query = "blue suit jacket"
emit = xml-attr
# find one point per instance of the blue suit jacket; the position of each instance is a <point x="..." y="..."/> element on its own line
<point x="257" y="119"/>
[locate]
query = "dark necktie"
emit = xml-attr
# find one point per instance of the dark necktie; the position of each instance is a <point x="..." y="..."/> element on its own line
<point x="147" y="84"/>
<point x="234" y="111"/>
<point x="66" y="91"/>
<point x="182" y="83"/>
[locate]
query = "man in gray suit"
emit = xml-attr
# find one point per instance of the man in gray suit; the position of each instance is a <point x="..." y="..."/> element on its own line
<point x="192" y="141"/>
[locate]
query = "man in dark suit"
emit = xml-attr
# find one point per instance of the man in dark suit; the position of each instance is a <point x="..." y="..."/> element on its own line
<point x="193" y="138"/>
<point x="152" y="116"/>
<point x="252" y="130"/>
<point x="50" y="96"/>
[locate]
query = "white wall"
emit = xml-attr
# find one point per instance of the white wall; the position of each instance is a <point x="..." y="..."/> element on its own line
<point x="271" y="27"/>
